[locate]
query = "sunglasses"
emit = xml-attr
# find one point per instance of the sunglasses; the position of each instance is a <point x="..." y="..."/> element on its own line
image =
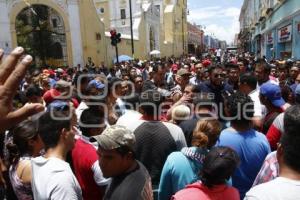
<point x="219" y="75"/>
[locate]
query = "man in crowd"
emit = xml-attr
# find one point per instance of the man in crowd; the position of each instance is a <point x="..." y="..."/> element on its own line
<point x="52" y="177"/>
<point x="286" y="186"/>
<point x="233" y="76"/>
<point x="130" y="179"/>
<point x="151" y="144"/>
<point x="199" y="77"/>
<point x="247" y="85"/>
<point x="215" y="85"/>
<point x="251" y="146"/>
<point x="182" y="79"/>
<point x="270" y="96"/>
<point x="85" y="158"/>
<point x="262" y="71"/>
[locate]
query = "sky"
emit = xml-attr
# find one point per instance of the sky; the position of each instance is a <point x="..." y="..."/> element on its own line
<point x="218" y="17"/>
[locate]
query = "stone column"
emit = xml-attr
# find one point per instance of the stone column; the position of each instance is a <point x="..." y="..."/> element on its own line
<point x="5" y="35"/>
<point x="75" y="30"/>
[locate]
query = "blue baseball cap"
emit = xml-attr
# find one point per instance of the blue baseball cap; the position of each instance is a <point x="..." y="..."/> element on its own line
<point x="273" y="93"/>
<point x="96" y="84"/>
<point x="58" y="105"/>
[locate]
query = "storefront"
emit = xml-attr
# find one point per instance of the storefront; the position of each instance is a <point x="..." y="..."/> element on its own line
<point x="284" y="47"/>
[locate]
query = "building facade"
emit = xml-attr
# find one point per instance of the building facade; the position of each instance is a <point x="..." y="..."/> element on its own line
<point x="157" y="25"/>
<point x="195" y="39"/>
<point x="145" y="26"/>
<point x="76" y="31"/>
<point x="271" y="28"/>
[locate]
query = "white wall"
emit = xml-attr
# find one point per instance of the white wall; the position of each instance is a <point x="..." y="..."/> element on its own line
<point x="74" y="20"/>
<point x="5" y="35"/>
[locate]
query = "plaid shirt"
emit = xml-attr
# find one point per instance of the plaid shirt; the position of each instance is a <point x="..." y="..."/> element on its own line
<point x="269" y="170"/>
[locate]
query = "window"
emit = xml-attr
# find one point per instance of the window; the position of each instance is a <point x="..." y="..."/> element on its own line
<point x="158" y="8"/>
<point x="54" y="23"/>
<point x="123" y="14"/>
<point x="101" y="10"/>
<point x="98" y="36"/>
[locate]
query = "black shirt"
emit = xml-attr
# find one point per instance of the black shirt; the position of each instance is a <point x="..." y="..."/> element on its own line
<point x="134" y="185"/>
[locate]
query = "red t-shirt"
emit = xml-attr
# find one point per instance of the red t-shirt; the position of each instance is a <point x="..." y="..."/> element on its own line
<point x="199" y="191"/>
<point x="84" y="155"/>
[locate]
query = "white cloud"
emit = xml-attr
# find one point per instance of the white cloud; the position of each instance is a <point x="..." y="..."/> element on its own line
<point x="221" y="22"/>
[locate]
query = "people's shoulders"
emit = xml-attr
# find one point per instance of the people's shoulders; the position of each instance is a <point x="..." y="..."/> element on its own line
<point x="172" y="126"/>
<point x="190" y="192"/>
<point x="279" y="188"/>
<point x="51" y="163"/>
<point x="198" y="191"/>
<point x="175" y="157"/>
<point x="89" y="150"/>
<point x="176" y="133"/>
<point x="137" y="182"/>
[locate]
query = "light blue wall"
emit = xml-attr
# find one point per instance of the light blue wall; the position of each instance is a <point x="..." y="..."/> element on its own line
<point x="278" y="19"/>
<point x="296" y="38"/>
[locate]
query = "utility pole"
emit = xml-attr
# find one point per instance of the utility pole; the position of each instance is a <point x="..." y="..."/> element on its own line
<point x="131" y="29"/>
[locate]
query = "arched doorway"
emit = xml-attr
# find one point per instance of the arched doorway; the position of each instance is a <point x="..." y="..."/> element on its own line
<point x="41" y="31"/>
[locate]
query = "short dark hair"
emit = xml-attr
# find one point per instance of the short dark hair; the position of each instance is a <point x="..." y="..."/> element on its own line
<point x="50" y="128"/>
<point x="290" y="140"/>
<point x="262" y="63"/>
<point x="22" y="133"/>
<point x="132" y="102"/>
<point x="157" y="66"/>
<point x="150" y="101"/>
<point x="124" y="150"/>
<point x="214" y="67"/>
<point x="33" y="90"/>
<point x="249" y="79"/>
<point x="218" y="166"/>
<point x="113" y="83"/>
<point x="229" y="66"/>
<point x="237" y="103"/>
<point x="90" y="116"/>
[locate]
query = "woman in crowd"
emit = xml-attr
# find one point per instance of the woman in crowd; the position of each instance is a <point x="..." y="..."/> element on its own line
<point x="218" y="166"/>
<point x="26" y="145"/>
<point x="182" y="168"/>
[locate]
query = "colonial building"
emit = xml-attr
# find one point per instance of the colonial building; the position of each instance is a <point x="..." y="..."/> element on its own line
<point x="174" y="34"/>
<point x="115" y="14"/>
<point x="157" y="25"/>
<point x="271" y="28"/>
<point x="57" y="32"/>
<point x="195" y="39"/>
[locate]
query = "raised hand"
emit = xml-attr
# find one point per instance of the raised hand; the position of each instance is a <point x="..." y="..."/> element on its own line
<point x="12" y="71"/>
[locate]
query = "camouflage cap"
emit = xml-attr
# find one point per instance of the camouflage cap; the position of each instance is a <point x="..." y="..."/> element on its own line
<point x="114" y="137"/>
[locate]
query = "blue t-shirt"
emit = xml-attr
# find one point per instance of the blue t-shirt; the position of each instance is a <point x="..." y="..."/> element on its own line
<point x="252" y="148"/>
<point x="180" y="169"/>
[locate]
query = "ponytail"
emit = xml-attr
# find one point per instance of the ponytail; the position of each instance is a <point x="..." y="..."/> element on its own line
<point x="206" y="133"/>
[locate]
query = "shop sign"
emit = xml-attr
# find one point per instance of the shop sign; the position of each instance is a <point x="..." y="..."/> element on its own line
<point x="270" y="38"/>
<point x="285" y="34"/>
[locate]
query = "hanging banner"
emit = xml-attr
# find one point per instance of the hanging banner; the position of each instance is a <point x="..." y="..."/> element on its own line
<point x="285" y="34"/>
<point x="270" y="38"/>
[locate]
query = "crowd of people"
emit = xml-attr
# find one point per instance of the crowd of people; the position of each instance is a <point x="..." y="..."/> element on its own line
<point x="175" y="128"/>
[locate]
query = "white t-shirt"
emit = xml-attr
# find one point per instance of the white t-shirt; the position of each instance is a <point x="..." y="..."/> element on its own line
<point x="258" y="107"/>
<point x="218" y="51"/>
<point x="277" y="189"/>
<point x="52" y="178"/>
